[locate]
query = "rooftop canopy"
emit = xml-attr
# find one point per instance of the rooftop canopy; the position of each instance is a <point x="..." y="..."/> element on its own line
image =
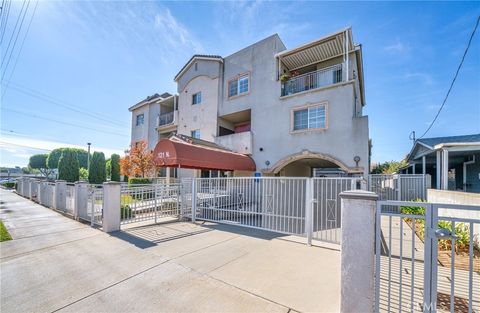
<point x="322" y="49"/>
<point x="181" y="153"/>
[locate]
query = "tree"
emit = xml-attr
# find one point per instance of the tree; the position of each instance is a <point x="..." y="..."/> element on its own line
<point x="108" y="167"/>
<point x="83" y="173"/>
<point x="115" y="167"/>
<point x="68" y="166"/>
<point x="97" y="173"/>
<point x="138" y="162"/>
<point x="39" y="162"/>
<point x="55" y="155"/>
<point x="389" y="167"/>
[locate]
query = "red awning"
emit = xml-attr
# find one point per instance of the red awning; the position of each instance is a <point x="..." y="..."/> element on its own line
<point x="172" y="153"/>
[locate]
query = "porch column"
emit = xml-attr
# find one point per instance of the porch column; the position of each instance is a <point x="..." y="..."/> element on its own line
<point x="439" y="165"/>
<point x="445" y="169"/>
<point x="424" y="165"/>
<point x="413" y="168"/>
<point x="167" y="178"/>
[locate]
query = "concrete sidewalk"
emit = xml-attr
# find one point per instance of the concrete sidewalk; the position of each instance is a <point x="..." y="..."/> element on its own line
<point x="57" y="264"/>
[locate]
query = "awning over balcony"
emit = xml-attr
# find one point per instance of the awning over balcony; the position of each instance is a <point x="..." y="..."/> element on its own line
<point x="174" y="152"/>
<point x="317" y="51"/>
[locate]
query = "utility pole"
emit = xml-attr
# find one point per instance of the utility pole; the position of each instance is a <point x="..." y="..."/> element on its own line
<point x="412" y="137"/>
<point x="88" y="157"/>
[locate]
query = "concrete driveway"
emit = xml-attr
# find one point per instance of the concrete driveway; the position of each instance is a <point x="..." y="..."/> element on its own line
<point x="57" y="264"/>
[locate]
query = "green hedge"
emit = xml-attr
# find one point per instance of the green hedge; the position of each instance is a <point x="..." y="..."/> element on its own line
<point x="9" y="184"/>
<point x="126" y="212"/>
<point x="139" y="181"/>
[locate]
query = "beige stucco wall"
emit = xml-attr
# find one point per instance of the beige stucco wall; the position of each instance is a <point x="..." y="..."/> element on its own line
<point x="201" y="116"/>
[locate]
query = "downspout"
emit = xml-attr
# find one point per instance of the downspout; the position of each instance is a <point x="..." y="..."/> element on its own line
<point x="465" y="172"/>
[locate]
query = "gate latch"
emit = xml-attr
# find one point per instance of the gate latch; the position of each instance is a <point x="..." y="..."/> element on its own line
<point x="443" y="233"/>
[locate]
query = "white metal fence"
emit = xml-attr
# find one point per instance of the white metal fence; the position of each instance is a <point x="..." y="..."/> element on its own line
<point x="70" y="198"/>
<point x="149" y="202"/>
<point x="427" y="262"/>
<point x="276" y="204"/>
<point x="400" y="187"/>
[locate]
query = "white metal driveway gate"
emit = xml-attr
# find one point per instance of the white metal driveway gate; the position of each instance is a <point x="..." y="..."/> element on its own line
<point x="149" y="202"/>
<point x="276" y="204"/>
<point x="412" y="274"/>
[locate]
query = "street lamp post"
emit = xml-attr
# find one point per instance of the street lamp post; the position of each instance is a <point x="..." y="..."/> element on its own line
<point x="88" y="157"/>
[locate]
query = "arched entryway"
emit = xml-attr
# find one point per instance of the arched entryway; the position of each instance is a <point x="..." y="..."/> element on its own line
<point x="312" y="164"/>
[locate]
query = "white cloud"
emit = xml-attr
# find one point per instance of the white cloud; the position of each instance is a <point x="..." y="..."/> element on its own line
<point x="422" y="77"/>
<point x="398" y="47"/>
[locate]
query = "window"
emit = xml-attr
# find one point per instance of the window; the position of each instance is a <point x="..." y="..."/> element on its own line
<point x="238" y="86"/>
<point x="197" y="98"/>
<point x="196" y="133"/>
<point x="140" y="118"/>
<point x="309" y="118"/>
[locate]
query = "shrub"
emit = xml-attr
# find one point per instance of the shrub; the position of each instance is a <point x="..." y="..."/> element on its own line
<point x="108" y="168"/>
<point x="126" y="212"/>
<point x="68" y="166"/>
<point x="55" y="155"/>
<point x="83" y="172"/>
<point x="97" y="173"/>
<point x="139" y="181"/>
<point x="115" y="167"/>
<point x="9" y="184"/>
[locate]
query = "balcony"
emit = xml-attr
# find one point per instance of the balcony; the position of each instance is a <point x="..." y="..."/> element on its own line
<point x="238" y="142"/>
<point x="166" y="121"/>
<point x="313" y="80"/>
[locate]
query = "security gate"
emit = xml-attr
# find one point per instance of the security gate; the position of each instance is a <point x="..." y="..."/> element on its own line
<point x="308" y="207"/>
<point x="427" y="257"/>
<point x="400" y="187"/>
<point x="140" y="203"/>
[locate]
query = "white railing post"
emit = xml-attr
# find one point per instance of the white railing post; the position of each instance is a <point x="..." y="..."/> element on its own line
<point x="25" y="184"/>
<point x="358" y="244"/>
<point x="309" y="210"/>
<point x="194" y="199"/>
<point x="30" y="191"/>
<point x="39" y="191"/>
<point x="80" y="202"/>
<point x="60" y="198"/>
<point x="111" y="206"/>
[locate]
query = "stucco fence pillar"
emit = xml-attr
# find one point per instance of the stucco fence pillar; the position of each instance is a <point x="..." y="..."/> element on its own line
<point x="60" y="195"/>
<point x="111" y="206"/>
<point x="358" y="251"/>
<point x="80" y="204"/>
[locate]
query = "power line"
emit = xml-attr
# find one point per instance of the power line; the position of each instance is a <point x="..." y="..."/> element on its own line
<point x="15" y="42"/>
<point x="20" y="51"/>
<point x="46" y="98"/>
<point x="23" y="146"/>
<point x="3" y="25"/>
<point x="454" y="79"/>
<point x="61" y="122"/>
<point x="13" y="33"/>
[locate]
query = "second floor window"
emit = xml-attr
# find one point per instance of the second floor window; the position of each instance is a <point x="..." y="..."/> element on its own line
<point x="140" y="119"/>
<point x="196" y="133"/>
<point x="238" y="86"/>
<point x="309" y="118"/>
<point x="197" y="98"/>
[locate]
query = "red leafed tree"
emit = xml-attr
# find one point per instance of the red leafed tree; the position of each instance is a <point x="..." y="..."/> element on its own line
<point x="138" y="162"/>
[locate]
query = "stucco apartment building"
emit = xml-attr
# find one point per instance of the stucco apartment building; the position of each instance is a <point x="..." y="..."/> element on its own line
<point x="294" y="112"/>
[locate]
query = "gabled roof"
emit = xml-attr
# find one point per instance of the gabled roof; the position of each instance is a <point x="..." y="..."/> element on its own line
<point x="198" y="57"/>
<point x="150" y="99"/>
<point x="431" y="142"/>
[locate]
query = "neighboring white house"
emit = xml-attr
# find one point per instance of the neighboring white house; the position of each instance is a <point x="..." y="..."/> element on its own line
<point x="453" y="162"/>
<point x="296" y="112"/>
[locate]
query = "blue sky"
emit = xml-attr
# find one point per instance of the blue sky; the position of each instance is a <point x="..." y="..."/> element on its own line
<point x="84" y="63"/>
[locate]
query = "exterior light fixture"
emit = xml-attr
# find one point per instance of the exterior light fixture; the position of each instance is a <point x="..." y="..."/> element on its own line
<point x="267" y="163"/>
<point x="356" y="159"/>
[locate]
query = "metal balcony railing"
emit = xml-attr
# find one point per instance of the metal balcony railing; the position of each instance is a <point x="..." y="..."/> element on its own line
<point x="312" y="80"/>
<point x="166" y="118"/>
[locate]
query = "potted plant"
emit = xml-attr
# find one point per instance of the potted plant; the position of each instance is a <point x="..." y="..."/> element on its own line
<point x="284" y="78"/>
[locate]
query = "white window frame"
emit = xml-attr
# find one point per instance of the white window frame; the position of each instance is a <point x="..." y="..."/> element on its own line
<point x="236" y="80"/>
<point x="136" y="119"/>
<point x="195" y="131"/>
<point x="195" y="95"/>
<point x="308" y="108"/>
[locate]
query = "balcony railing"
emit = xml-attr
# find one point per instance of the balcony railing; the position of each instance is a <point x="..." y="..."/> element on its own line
<point x="166" y="118"/>
<point x="324" y="77"/>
